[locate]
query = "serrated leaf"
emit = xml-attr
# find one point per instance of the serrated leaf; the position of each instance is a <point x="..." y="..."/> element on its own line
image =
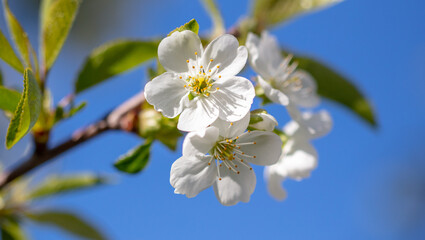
<point x="19" y="36"/>
<point x="62" y="184"/>
<point x="336" y="87"/>
<point x="112" y="59"/>
<point x="217" y="19"/>
<point x="10" y="230"/>
<point x="192" y="25"/>
<point x="9" y="99"/>
<point x="135" y="160"/>
<point x="8" y="54"/>
<point x="270" y="12"/>
<point x="27" y="110"/>
<point x="68" y="222"/>
<point x="57" y="21"/>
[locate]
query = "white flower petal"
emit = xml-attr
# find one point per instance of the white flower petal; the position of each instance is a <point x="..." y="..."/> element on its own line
<point x="304" y="96"/>
<point x="267" y="148"/>
<point x="231" y="130"/>
<point x="308" y="124"/>
<point x="273" y="94"/>
<point x="299" y="160"/>
<point x="274" y="184"/>
<point x="167" y="94"/>
<point x="199" y="114"/>
<point x="200" y="142"/>
<point x="318" y="124"/>
<point x="191" y="175"/>
<point x="226" y="54"/>
<point x="265" y="54"/>
<point x="234" y="188"/>
<point x="234" y="98"/>
<point x="267" y="124"/>
<point x="175" y="50"/>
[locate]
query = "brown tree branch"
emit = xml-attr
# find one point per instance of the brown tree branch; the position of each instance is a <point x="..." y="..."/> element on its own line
<point x="121" y="118"/>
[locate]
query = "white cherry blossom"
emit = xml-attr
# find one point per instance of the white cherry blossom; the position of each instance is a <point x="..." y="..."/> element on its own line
<point x="279" y="79"/>
<point x="299" y="157"/>
<point x="199" y="84"/>
<point x="220" y="156"/>
<point x="261" y="120"/>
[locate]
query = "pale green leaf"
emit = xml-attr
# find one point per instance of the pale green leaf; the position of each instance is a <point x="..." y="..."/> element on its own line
<point x="10" y="230"/>
<point x="135" y="160"/>
<point x="68" y="222"/>
<point x="112" y="59"/>
<point x="27" y="110"/>
<point x="8" y="54"/>
<point x="62" y="184"/>
<point x="9" y="99"/>
<point x="77" y="109"/>
<point x="336" y="87"/>
<point x="270" y="12"/>
<point x="19" y="36"/>
<point x="192" y="25"/>
<point x="56" y="21"/>
<point x="44" y="6"/>
<point x="216" y="17"/>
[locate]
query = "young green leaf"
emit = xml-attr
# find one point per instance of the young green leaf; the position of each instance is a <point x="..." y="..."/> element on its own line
<point x="27" y="110"/>
<point x="56" y="23"/>
<point x="44" y="7"/>
<point x="192" y="25"/>
<point x="271" y="12"/>
<point x="62" y="184"/>
<point x="9" y="99"/>
<point x="8" y="54"/>
<point x="10" y="230"/>
<point x="135" y="160"/>
<point x="78" y="108"/>
<point x="216" y="17"/>
<point x="334" y="86"/>
<point x="19" y="36"/>
<point x="68" y="222"/>
<point x="112" y="59"/>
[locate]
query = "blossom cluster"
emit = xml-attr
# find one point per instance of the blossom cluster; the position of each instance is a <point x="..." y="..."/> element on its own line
<point x="225" y="137"/>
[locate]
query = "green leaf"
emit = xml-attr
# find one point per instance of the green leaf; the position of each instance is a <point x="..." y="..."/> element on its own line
<point x="19" y="36"/>
<point x="68" y="222"/>
<point x="1" y="78"/>
<point x="9" y="99"/>
<point x="216" y="17"/>
<point x="44" y="7"/>
<point x="56" y="23"/>
<point x="135" y="160"/>
<point x="114" y="58"/>
<point x="62" y="184"/>
<point x="27" y="110"/>
<point x="10" y="230"/>
<point x="78" y="108"/>
<point x="8" y="54"/>
<point x="336" y="87"/>
<point x="270" y="12"/>
<point x="192" y="25"/>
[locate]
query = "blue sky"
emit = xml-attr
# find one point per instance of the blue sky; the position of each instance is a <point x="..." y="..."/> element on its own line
<point x="368" y="183"/>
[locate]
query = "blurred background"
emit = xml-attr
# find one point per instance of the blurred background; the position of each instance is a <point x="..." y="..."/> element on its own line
<point x="370" y="183"/>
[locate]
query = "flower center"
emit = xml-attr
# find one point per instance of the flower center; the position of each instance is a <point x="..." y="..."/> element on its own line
<point x="200" y="79"/>
<point x="228" y="154"/>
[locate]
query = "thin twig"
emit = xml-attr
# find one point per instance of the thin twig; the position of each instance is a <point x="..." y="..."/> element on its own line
<point x="117" y="119"/>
